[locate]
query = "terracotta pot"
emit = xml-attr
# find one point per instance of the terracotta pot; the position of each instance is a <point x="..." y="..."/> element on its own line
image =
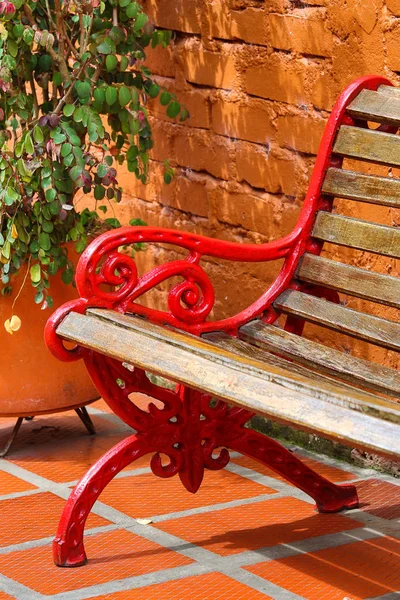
<point x="32" y="382"/>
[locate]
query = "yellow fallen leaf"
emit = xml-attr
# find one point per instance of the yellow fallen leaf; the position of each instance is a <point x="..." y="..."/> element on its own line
<point x="144" y="521"/>
<point x="14" y="232"/>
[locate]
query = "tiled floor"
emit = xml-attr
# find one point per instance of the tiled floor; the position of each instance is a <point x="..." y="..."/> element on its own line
<point x="247" y="534"/>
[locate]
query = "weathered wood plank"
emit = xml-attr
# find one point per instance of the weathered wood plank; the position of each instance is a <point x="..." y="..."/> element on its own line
<point x="379" y="108"/>
<point x="326" y="360"/>
<point x="335" y="316"/>
<point x="363" y="188"/>
<point x="390" y="90"/>
<point x="309" y="405"/>
<point x="355" y="233"/>
<point x="355" y="281"/>
<point x="246" y="346"/>
<point x="369" y="145"/>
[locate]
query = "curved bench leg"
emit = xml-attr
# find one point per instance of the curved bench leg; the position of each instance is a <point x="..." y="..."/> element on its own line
<point x="68" y="547"/>
<point x="328" y="496"/>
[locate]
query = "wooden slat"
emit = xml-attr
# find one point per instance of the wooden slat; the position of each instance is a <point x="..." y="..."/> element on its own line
<point x="287" y="398"/>
<point x="364" y="188"/>
<point x="326" y="360"/>
<point x="369" y="145"/>
<point x="346" y="320"/>
<point x="361" y="283"/>
<point x="252" y="348"/>
<point x="355" y="233"/>
<point x="379" y="108"/>
<point x="389" y="90"/>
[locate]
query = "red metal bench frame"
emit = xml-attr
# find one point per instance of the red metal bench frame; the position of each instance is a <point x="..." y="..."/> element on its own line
<point x="190" y="303"/>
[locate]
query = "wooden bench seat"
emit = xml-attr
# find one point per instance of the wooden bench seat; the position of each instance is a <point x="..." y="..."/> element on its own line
<point x="258" y="361"/>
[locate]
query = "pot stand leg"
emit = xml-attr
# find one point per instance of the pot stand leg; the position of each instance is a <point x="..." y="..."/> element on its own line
<point x="86" y="420"/>
<point x="12" y="437"/>
<point x="328" y="496"/>
<point x="68" y="547"/>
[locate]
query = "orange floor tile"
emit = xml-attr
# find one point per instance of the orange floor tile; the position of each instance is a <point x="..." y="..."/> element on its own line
<point x="359" y="570"/>
<point x="10" y="484"/>
<point x="214" y="586"/>
<point x="146" y="564"/>
<point x="380" y="498"/>
<point x="33" y="517"/>
<point x="146" y="495"/>
<point x="257" y="525"/>
<point x="332" y="473"/>
<point x="113" y="555"/>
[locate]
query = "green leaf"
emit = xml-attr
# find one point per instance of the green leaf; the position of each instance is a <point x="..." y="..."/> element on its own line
<point x="47" y="226"/>
<point x="67" y="275"/>
<point x="141" y="18"/>
<point x="36" y="273"/>
<point x="39" y="298"/>
<point x="153" y="90"/>
<point x="12" y="47"/>
<point x="99" y="192"/>
<point x="124" y="3"/>
<point x="38" y="134"/>
<point x="107" y="46"/>
<point x="111" y="95"/>
<point x="102" y="170"/>
<point x="124" y="96"/>
<point x="44" y="241"/>
<point x="132" y="10"/>
<point x="10" y="196"/>
<point x="66" y="149"/>
<point x="50" y="194"/>
<point x="29" y="148"/>
<point x="68" y="110"/>
<point x="82" y="88"/>
<point x="173" y="109"/>
<point x="111" y="62"/>
<point x="165" y="98"/>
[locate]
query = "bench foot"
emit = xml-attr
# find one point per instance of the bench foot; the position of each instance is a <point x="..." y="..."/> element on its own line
<point x="68" y="547"/>
<point x="329" y="497"/>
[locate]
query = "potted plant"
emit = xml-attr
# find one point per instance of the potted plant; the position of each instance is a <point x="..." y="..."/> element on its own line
<point x="73" y="95"/>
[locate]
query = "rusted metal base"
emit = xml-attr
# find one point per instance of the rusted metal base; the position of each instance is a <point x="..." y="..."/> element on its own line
<point x="195" y="436"/>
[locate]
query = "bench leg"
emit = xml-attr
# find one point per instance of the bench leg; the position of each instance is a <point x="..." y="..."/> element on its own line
<point x="328" y="496"/>
<point x="68" y="547"/>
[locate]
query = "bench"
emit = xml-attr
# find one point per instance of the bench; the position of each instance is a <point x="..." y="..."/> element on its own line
<point x="228" y="370"/>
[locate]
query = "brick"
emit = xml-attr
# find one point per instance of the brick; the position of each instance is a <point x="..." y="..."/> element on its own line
<point x="203" y="151"/>
<point x="250" y="120"/>
<point x="162" y="137"/>
<point x="393" y="48"/>
<point x="301" y="132"/>
<point x="160" y="61"/>
<point x="191" y="196"/>
<point x="300" y="34"/>
<point x="249" y="25"/>
<point x="180" y="15"/>
<point x="262" y="168"/>
<point x="394" y="6"/>
<point x="219" y="19"/>
<point x="285" y="79"/>
<point x="153" y="191"/>
<point x="248" y="210"/>
<point x="215" y="69"/>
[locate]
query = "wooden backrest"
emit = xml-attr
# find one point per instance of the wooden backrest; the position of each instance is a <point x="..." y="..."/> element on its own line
<point x="356" y="141"/>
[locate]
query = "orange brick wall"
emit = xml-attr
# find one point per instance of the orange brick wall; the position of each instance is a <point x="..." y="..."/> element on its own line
<point x="259" y="78"/>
